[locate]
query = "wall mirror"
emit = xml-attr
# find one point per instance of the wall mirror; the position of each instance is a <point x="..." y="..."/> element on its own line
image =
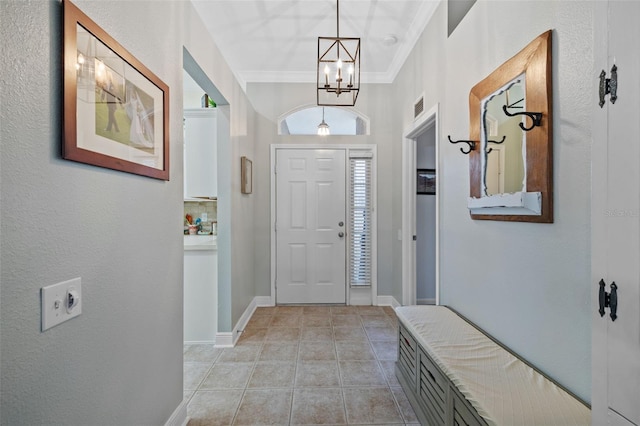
<point x="511" y="116"/>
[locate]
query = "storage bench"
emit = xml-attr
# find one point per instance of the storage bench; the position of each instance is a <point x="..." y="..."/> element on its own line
<point x="454" y="374"/>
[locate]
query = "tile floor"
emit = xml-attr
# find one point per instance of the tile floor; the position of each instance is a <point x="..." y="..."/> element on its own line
<point x="302" y="365"/>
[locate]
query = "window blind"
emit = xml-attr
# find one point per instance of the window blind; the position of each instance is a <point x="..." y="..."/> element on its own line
<point x="360" y="218"/>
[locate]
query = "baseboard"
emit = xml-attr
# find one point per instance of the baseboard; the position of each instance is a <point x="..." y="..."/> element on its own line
<point x="228" y="340"/>
<point x="179" y="416"/>
<point x="200" y="342"/>
<point x="224" y="340"/>
<point x="427" y="301"/>
<point x="388" y="301"/>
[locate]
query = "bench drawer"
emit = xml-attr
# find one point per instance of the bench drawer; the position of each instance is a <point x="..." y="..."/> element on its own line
<point x="432" y="387"/>
<point x="407" y="355"/>
<point x="463" y="414"/>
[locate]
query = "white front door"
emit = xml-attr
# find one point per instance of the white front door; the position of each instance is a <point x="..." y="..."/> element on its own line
<point x="616" y="220"/>
<point x="310" y="226"/>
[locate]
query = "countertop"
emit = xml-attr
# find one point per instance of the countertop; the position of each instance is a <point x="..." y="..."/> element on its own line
<point x="200" y="242"/>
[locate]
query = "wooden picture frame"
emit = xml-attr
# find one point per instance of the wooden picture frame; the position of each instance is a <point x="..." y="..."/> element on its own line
<point x="426" y="181"/>
<point x="246" y="175"/>
<point x="534" y="60"/>
<point x="116" y="111"/>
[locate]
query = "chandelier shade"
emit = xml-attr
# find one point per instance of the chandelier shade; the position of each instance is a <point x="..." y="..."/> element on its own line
<point x="338" y="71"/>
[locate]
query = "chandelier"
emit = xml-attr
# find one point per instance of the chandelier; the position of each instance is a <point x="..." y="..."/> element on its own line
<point x="323" y="128"/>
<point x="338" y="73"/>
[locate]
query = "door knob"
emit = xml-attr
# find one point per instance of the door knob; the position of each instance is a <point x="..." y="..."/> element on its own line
<point x="340" y="234"/>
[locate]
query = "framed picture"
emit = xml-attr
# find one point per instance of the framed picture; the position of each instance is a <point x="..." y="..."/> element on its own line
<point x="246" y="171"/>
<point x="116" y="111"/>
<point x="426" y="181"/>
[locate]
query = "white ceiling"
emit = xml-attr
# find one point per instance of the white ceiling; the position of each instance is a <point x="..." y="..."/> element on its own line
<point x="277" y="40"/>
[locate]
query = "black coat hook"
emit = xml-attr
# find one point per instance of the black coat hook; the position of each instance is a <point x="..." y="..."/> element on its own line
<point x="536" y="117"/>
<point x="496" y="142"/>
<point x="472" y="145"/>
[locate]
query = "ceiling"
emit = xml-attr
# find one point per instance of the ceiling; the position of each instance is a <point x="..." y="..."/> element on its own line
<point x="277" y="40"/>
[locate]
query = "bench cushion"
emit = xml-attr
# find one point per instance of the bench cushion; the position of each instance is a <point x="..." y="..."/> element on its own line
<point x="502" y="388"/>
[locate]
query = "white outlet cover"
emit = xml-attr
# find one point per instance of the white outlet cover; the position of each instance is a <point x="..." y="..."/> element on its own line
<point x="54" y="302"/>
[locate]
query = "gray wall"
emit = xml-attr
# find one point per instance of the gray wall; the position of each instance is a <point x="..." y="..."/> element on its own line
<point x="527" y="284"/>
<point x="274" y="100"/>
<point x="120" y="362"/>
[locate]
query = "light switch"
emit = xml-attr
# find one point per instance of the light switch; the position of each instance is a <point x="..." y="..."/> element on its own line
<point x="61" y="302"/>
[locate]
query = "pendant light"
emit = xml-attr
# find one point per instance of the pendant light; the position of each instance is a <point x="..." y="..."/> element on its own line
<point x="323" y="128"/>
<point x="338" y="71"/>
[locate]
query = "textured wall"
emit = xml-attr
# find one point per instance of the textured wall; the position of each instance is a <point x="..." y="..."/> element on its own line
<point x="527" y="284"/>
<point x="120" y="362"/>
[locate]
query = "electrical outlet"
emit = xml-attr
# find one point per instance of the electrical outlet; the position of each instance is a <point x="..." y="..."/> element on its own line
<point x="61" y="302"/>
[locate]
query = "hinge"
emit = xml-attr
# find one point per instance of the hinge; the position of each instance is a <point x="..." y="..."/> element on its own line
<point x="609" y="86"/>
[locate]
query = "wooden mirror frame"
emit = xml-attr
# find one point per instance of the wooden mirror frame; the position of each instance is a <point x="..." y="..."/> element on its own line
<point x="535" y="62"/>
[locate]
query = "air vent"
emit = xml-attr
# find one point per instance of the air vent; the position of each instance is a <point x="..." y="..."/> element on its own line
<point x="418" y="107"/>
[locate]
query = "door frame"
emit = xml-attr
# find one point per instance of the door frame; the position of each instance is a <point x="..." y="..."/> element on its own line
<point x="374" y="194"/>
<point x="410" y="135"/>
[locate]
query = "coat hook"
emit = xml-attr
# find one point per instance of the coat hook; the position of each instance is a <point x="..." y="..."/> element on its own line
<point x="472" y="145"/>
<point x="535" y="116"/>
<point x="496" y="142"/>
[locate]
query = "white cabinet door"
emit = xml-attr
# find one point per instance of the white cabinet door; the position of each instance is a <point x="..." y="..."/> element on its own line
<point x="200" y="153"/>
<point x="310" y="226"/>
<point x="616" y="218"/>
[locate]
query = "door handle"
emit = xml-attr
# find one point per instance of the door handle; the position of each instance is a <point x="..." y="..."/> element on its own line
<point x="340" y="234"/>
<point x="608" y="300"/>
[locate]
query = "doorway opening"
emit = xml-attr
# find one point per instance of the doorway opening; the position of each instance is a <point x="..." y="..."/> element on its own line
<point x="420" y="213"/>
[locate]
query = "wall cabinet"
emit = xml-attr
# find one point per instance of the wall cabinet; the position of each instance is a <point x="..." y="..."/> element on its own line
<point x="200" y="153"/>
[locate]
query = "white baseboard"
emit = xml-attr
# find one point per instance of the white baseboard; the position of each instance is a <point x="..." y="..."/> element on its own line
<point x="428" y="301"/>
<point x="224" y="340"/>
<point x="200" y="342"/>
<point x="228" y="340"/>
<point x="388" y="301"/>
<point x="179" y="416"/>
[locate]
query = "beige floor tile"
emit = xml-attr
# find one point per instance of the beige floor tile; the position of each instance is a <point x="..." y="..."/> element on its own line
<point x="291" y="310"/>
<point x="375" y="320"/>
<point x="344" y="310"/>
<point x="264" y="407"/>
<point x="349" y="333"/>
<point x="193" y="373"/>
<point x="371" y="310"/>
<point x="252" y="336"/>
<point x="389" y="311"/>
<point x="283" y="334"/>
<point x="389" y="370"/>
<point x="317" y="310"/>
<point x="316" y="321"/>
<point x="259" y="321"/>
<point x="317" y="374"/>
<point x="272" y="374"/>
<point x="354" y="351"/>
<point x="346" y="321"/>
<point x="279" y="352"/>
<point x="317" y="351"/>
<point x="228" y="375"/>
<point x="317" y="334"/>
<point x="212" y="408"/>
<point x="371" y="406"/>
<point x="382" y="333"/>
<point x="286" y="320"/>
<point x="265" y="310"/>
<point x="318" y="407"/>
<point x="247" y="353"/>
<point x="361" y="373"/>
<point x="386" y="350"/>
<point x="201" y="353"/>
<point x="405" y="406"/>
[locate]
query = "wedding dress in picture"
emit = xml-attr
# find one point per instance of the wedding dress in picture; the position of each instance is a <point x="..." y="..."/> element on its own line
<point x="141" y="133"/>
